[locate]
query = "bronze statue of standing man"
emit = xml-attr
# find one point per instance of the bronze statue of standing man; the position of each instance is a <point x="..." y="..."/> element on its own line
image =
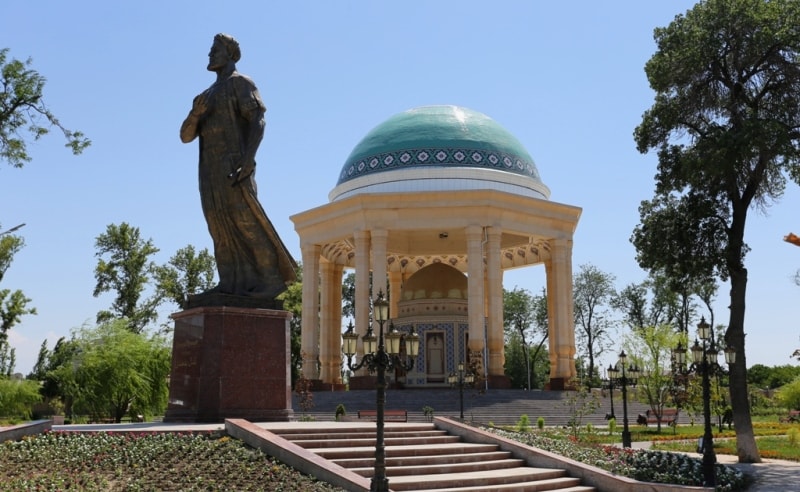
<point x="254" y="265"/>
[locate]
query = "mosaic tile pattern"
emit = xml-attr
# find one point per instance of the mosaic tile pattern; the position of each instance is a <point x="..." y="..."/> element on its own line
<point x="435" y="157"/>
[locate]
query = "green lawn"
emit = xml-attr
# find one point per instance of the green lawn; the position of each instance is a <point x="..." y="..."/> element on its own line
<point x="773" y="438"/>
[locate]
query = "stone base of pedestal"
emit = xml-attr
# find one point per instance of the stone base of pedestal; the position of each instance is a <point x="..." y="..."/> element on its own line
<point x="230" y="362"/>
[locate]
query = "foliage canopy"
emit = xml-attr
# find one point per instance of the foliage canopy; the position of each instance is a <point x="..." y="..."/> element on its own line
<point x="726" y="129"/>
<point x="22" y="111"/>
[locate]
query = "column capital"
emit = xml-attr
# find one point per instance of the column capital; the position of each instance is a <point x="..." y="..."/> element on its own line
<point x="473" y="230"/>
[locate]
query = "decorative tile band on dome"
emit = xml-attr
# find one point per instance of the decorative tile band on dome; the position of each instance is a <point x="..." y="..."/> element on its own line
<point x="478" y="158"/>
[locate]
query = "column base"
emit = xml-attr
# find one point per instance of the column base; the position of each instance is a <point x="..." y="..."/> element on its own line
<point x="559" y="384"/>
<point x="363" y="382"/>
<point x="499" y="382"/>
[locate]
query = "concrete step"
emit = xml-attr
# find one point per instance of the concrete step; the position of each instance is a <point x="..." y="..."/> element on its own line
<point x="563" y="484"/>
<point x="485" y="478"/>
<point x="404" y="451"/>
<point x="443" y="459"/>
<point x="438" y="468"/>
<point x="370" y="441"/>
<point x="423" y="458"/>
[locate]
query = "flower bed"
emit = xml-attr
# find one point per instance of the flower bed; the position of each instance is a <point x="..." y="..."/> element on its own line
<point x="58" y="461"/>
<point x="643" y="465"/>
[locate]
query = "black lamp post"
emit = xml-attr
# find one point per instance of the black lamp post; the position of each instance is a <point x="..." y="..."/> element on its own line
<point x="378" y="359"/>
<point x="624" y="378"/>
<point x="460" y="379"/>
<point x="704" y="361"/>
<point x="611" y="370"/>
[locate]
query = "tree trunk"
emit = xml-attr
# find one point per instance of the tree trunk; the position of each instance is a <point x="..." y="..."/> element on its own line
<point x="746" y="447"/>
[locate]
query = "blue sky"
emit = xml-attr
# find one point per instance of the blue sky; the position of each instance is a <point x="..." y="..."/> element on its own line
<point x="565" y="77"/>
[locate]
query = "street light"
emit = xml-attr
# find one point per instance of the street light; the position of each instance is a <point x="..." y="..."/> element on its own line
<point x="460" y="379"/>
<point x="612" y="374"/>
<point x="378" y="357"/>
<point x="704" y="361"/>
<point x="624" y="377"/>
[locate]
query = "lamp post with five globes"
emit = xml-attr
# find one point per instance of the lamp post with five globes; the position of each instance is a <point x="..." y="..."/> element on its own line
<point x="624" y="377"/>
<point x="380" y="357"/>
<point x="704" y="361"/>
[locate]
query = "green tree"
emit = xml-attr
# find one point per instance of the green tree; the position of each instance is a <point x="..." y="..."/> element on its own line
<point x="525" y="323"/>
<point x="58" y="383"/>
<point x="725" y="126"/>
<point x="187" y="273"/>
<point x="349" y="295"/>
<point x="119" y="372"/>
<point x="789" y="395"/>
<point x="17" y="397"/>
<point x="592" y="291"/>
<point x="8" y="359"/>
<point x="13" y="304"/>
<point x="650" y="303"/>
<point x="516" y="368"/>
<point x="40" y="368"/>
<point x="650" y="348"/>
<point x="24" y="114"/>
<point x="293" y="302"/>
<point x="123" y="267"/>
<point x="762" y="376"/>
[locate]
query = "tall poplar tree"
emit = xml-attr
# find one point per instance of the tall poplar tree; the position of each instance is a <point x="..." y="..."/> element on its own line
<point x="123" y="267"/>
<point x="726" y="127"/>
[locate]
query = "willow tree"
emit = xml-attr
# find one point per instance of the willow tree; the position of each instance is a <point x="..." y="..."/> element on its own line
<point x="725" y="124"/>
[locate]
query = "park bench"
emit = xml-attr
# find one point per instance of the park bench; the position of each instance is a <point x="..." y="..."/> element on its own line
<point x="388" y="415"/>
<point x="794" y="416"/>
<point x="669" y="416"/>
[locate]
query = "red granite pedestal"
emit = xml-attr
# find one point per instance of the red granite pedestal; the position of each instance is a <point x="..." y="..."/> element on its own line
<point x="230" y="362"/>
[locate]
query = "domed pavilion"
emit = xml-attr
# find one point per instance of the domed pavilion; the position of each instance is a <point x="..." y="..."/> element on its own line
<point x="436" y="202"/>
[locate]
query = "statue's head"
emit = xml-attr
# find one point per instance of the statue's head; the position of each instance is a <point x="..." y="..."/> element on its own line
<point x="224" y="51"/>
<point x="231" y="46"/>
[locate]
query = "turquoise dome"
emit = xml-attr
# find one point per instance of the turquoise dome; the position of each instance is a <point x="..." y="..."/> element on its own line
<point x="450" y="138"/>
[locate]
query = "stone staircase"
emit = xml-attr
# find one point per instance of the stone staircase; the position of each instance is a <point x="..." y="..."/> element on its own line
<point x="420" y="457"/>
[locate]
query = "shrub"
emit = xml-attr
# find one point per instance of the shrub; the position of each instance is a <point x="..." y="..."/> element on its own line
<point x="523" y="423"/>
<point x="793" y="435"/>
<point x="340" y="411"/>
<point x="789" y="394"/>
<point x="17" y="397"/>
<point x="540" y="423"/>
<point x="612" y="425"/>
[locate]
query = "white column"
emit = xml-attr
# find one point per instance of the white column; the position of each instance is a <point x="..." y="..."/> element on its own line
<point x="336" y="316"/>
<point x="329" y="325"/>
<point x="560" y="305"/>
<point x="395" y="283"/>
<point x="494" y="275"/>
<point x="475" y="297"/>
<point x="309" y="336"/>
<point x="362" y="240"/>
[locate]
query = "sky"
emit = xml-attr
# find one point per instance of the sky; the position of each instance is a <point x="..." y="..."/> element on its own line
<point x="566" y="78"/>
